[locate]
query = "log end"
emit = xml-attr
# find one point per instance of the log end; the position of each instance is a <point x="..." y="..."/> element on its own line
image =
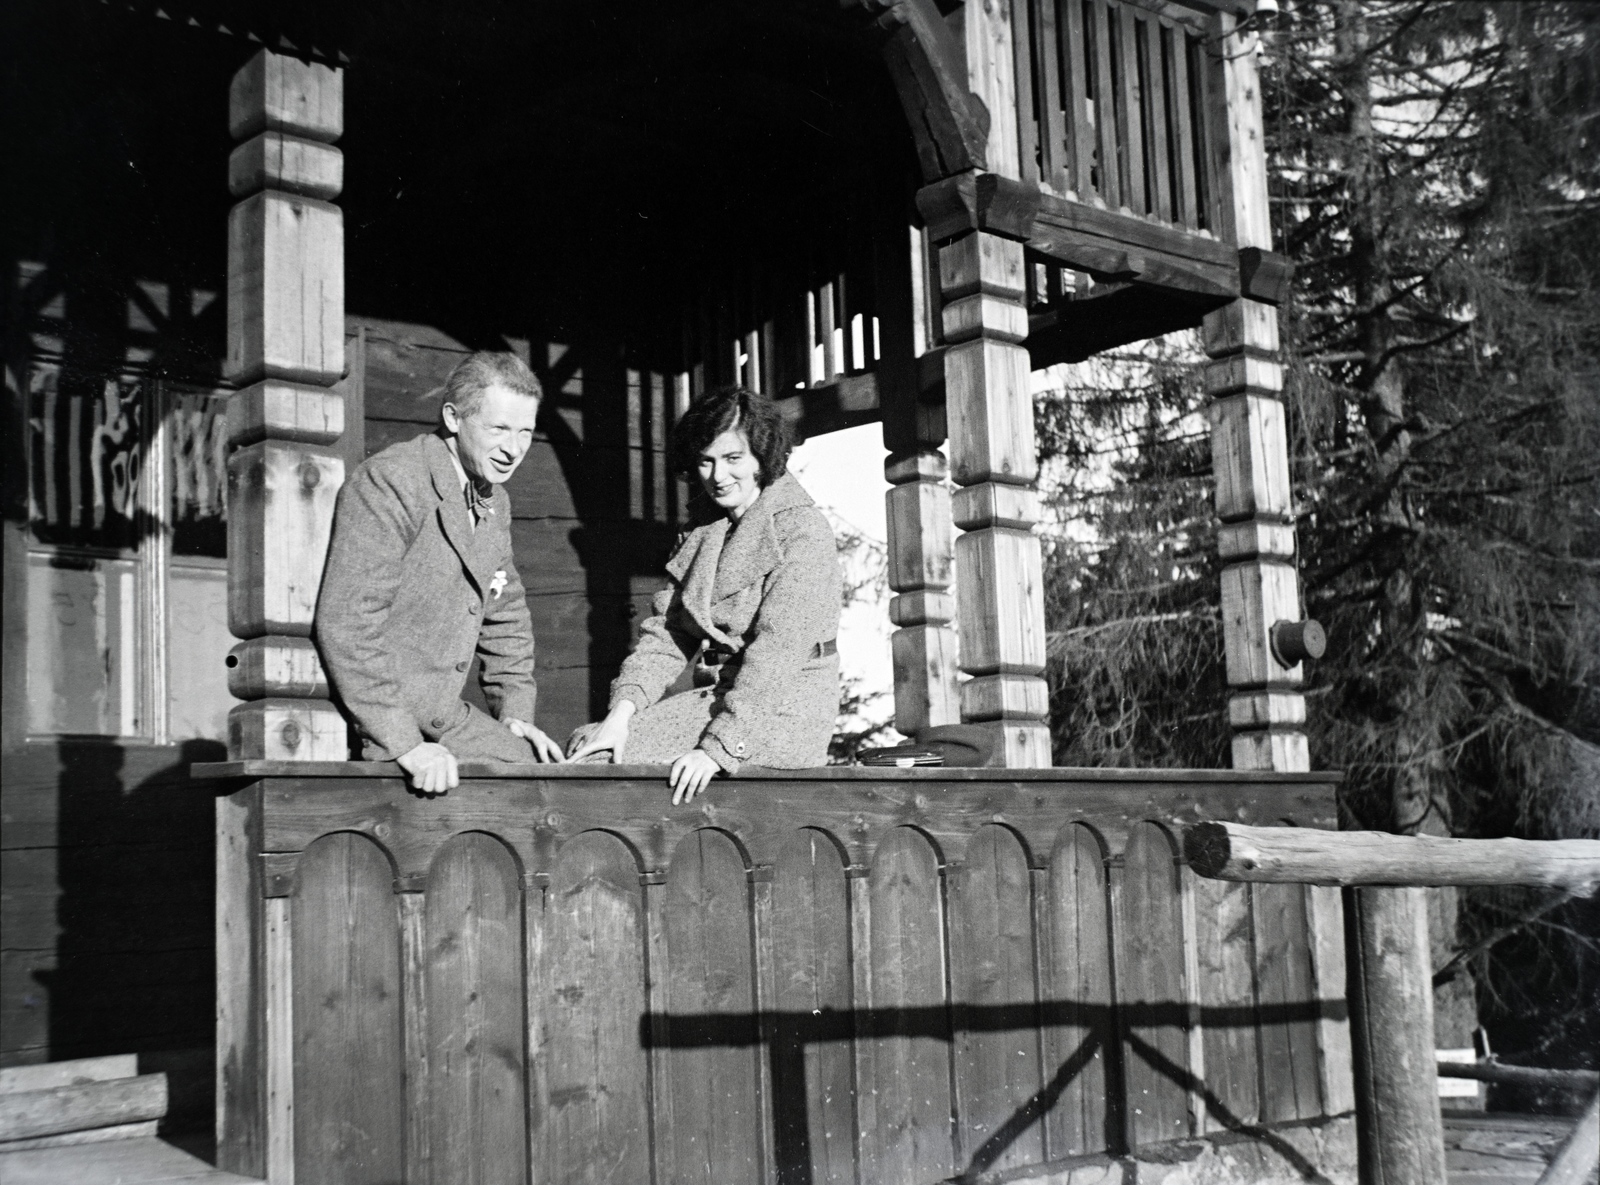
<point x="1206" y="847"/>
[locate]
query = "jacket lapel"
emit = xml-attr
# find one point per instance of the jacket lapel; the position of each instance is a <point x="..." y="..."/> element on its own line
<point x="753" y="550"/>
<point x="694" y="567"/>
<point x="452" y="512"/>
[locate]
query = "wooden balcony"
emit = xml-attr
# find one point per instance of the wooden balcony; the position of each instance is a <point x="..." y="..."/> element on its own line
<point x="827" y="975"/>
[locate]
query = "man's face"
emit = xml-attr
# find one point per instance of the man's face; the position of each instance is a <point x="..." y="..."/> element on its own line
<point x="492" y="441"/>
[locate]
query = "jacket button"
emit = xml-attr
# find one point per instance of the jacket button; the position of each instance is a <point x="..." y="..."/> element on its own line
<point x="438" y="722"/>
<point x="461" y="666"/>
<point x="472" y="609"/>
<point x="739" y="748"/>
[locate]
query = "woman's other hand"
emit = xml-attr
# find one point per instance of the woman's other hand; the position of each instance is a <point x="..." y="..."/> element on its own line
<point x="611" y="733"/>
<point x="691" y="774"/>
<point x="543" y="747"/>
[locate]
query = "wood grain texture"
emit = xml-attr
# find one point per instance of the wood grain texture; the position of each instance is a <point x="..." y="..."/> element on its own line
<point x="1225" y="934"/>
<point x="292" y="164"/>
<point x="285" y="411"/>
<point x="990" y="411"/>
<point x="1001" y="602"/>
<point x="26" y="1114"/>
<point x="477" y="1060"/>
<point x="241" y="1103"/>
<point x="1081" y="1049"/>
<point x="1256" y="595"/>
<point x="1150" y="989"/>
<point x="1233" y="851"/>
<point x="414" y="1036"/>
<point x="280" y="515"/>
<point x="285" y="290"/>
<point x="1290" y="1075"/>
<point x="813" y="1079"/>
<point x="997" y="1053"/>
<point x="276" y="666"/>
<point x="348" y="1108"/>
<point x="71" y="1072"/>
<point x="911" y="1060"/>
<point x="282" y="93"/>
<point x="711" y="1069"/>
<point x="594" y="1066"/>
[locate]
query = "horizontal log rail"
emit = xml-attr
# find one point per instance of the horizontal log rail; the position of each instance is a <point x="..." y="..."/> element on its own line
<point x="1399" y="1130"/>
<point x="1285" y="855"/>
<point x="830" y="975"/>
<point x="1492" y="1071"/>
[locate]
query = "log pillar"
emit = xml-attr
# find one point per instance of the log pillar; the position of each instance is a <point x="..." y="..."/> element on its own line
<point x="920" y="542"/>
<point x="1249" y="442"/>
<point x="285" y="349"/>
<point x="999" y="570"/>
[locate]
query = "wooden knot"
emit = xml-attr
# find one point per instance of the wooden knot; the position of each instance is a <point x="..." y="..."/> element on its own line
<point x="310" y="475"/>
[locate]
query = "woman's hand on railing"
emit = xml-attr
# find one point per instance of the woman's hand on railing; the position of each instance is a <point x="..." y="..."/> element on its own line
<point x="543" y="747"/>
<point x="610" y="733"/>
<point x="691" y="774"/>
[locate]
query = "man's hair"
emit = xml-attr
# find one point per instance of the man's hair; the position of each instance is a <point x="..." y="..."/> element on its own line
<point x="723" y="410"/>
<point x="477" y="372"/>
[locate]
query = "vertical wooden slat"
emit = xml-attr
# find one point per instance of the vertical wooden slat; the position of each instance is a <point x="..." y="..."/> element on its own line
<point x="594" y="997"/>
<point x="712" y="1071"/>
<point x="1080" y="1039"/>
<point x="1156" y="110"/>
<point x="242" y="1114"/>
<point x="912" y="1063"/>
<point x="663" y="1149"/>
<point x="1105" y="105"/>
<point x="1130" y="136"/>
<point x="827" y="322"/>
<point x="1184" y="179"/>
<point x="414" y="1022"/>
<point x="1205" y="73"/>
<point x="1286" y="992"/>
<point x="864" y="1048"/>
<point x="997" y="1039"/>
<point x="476" y="1027"/>
<point x="1326" y="917"/>
<point x="1031" y="136"/>
<point x="1194" y="1037"/>
<point x="1074" y="55"/>
<point x="766" y="990"/>
<point x="535" y="990"/>
<point x="348" y="1074"/>
<point x="813" y="1081"/>
<point x="1048" y="75"/>
<point x="1226" y="949"/>
<point x="280" y="1036"/>
<point x="1150" y="989"/>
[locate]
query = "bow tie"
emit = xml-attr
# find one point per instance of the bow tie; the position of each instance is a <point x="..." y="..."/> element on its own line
<point x="479" y="502"/>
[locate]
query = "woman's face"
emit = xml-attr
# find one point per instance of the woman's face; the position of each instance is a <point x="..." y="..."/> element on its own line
<point x="730" y="473"/>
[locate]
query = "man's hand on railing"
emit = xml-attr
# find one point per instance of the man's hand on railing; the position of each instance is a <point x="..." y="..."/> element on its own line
<point x="543" y="747"/>
<point x="432" y="768"/>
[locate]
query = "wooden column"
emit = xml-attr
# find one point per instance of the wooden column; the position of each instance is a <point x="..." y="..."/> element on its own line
<point x="920" y="540"/>
<point x="1249" y="443"/>
<point x="285" y="348"/>
<point x="999" y="577"/>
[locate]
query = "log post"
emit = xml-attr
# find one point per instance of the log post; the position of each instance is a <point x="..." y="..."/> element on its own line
<point x="285" y="348"/>
<point x="999" y="568"/>
<point x="1399" y="1131"/>
<point x="924" y="645"/>
<point x="1249" y="443"/>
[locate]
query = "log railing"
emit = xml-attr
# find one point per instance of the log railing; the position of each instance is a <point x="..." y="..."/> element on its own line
<point x="1399" y="1130"/>
<point x="1115" y="106"/>
<point x="833" y="975"/>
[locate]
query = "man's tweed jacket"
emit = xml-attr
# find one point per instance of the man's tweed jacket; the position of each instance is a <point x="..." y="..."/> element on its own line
<point x="409" y="592"/>
<point x="766" y="593"/>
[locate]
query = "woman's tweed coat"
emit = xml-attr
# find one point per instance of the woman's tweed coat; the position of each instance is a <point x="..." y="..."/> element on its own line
<point x="766" y="591"/>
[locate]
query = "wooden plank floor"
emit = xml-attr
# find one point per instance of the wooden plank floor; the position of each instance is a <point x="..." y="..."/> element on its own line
<point x="142" y="1161"/>
<point x="1499" y="1148"/>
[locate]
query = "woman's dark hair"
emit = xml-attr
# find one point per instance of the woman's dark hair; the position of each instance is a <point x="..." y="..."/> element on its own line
<point x="722" y="411"/>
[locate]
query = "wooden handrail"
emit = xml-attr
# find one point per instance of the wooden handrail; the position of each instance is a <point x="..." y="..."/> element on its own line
<point x="1290" y="855"/>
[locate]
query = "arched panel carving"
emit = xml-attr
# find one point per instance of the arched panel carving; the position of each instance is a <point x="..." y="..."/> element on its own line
<point x="596" y="1072"/>
<point x="713" y="1087"/>
<point x="1080" y="1040"/>
<point x="476" y="1024"/>
<point x="911" y="1057"/>
<point x="348" y="1074"/>
<point x="1150" y="987"/>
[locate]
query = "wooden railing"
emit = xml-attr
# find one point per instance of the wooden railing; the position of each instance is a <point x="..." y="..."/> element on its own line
<point x="1121" y="98"/>
<point x="832" y="975"/>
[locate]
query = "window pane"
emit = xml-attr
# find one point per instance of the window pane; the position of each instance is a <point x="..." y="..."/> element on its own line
<point x="197" y="643"/>
<point x="83" y="670"/>
<point x="197" y="425"/>
<point x="86" y="450"/>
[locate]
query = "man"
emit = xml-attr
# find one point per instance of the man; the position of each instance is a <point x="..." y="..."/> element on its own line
<point x="420" y="576"/>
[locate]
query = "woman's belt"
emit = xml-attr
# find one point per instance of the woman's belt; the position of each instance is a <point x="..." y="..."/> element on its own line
<point x="715" y="656"/>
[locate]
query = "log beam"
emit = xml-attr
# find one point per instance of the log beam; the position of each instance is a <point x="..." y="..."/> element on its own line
<point x="1292" y="855"/>
<point x="920" y="546"/>
<point x="285" y="348"/>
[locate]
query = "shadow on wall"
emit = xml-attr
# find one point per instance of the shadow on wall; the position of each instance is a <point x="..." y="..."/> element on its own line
<point x="114" y="946"/>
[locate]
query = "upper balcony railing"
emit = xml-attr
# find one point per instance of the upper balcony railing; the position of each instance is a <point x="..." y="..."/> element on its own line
<point x="1121" y="99"/>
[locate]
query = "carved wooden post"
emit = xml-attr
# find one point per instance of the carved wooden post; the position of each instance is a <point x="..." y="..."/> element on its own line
<point x="1249" y="443"/>
<point x="920" y="539"/>
<point x="999" y="576"/>
<point x="285" y="347"/>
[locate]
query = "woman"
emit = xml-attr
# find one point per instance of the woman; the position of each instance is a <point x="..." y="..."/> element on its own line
<point x="754" y="599"/>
